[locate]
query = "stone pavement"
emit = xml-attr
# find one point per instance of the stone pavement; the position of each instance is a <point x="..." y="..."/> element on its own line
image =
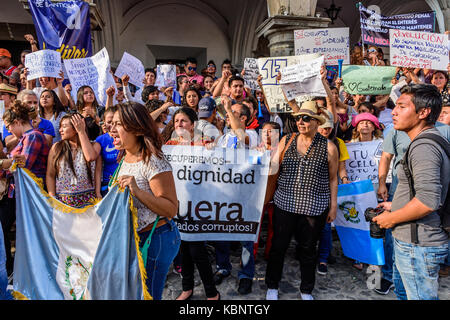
<point x="343" y="282"/>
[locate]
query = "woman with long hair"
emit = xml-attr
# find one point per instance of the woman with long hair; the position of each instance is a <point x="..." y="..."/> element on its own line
<point x="51" y="108"/>
<point x="192" y="252"/>
<point x="148" y="175"/>
<point x="191" y="98"/>
<point x="71" y="164"/>
<point x="31" y="153"/>
<point x="89" y="108"/>
<point x="367" y="128"/>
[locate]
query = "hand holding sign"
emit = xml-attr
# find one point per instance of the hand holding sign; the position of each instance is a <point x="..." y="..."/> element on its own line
<point x="133" y="67"/>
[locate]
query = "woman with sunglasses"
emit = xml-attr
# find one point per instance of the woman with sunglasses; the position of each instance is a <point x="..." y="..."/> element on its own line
<point x="148" y="175"/>
<point x="373" y="57"/>
<point x="305" y="197"/>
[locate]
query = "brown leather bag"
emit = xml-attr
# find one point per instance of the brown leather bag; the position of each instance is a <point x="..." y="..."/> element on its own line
<point x="272" y="179"/>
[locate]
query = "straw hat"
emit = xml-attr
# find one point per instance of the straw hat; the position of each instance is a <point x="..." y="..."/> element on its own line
<point x="309" y="108"/>
<point x="8" y="88"/>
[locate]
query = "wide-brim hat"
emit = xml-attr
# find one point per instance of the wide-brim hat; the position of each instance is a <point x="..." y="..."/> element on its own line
<point x="365" y="116"/>
<point x="8" y="88"/>
<point x="309" y="108"/>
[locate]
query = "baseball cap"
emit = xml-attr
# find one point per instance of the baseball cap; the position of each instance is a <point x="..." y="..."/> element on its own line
<point x="5" y="53"/>
<point x="206" y="107"/>
<point x="329" y="120"/>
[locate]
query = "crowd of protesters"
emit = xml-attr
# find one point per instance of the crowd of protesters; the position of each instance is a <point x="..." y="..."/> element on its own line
<point x="79" y="148"/>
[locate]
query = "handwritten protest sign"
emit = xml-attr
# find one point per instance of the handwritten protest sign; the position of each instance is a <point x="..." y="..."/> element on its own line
<point x="303" y="79"/>
<point x="93" y="71"/>
<point x="333" y="43"/>
<point x="210" y="185"/>
<point x="251" y="74"/>
<point x="269" y="68"/>
<point x="166" y="76"/>
<point x="132" y="67"/>
<point x="368" y="80"/>
<point x="375" y="27"/>
<point x="414" y="49"/>
<point x="43" y="63"/>
<point x="364" y="161"/>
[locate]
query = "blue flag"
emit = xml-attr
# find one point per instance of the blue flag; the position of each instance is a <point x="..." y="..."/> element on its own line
<point x="75" y="254"/>
<point x="63" y="26"/>
<point x="352" y="228"/>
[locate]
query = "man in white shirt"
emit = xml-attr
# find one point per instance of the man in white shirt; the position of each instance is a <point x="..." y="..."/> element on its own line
<point x="238" y="116"/>
<point x="207" y="114"/>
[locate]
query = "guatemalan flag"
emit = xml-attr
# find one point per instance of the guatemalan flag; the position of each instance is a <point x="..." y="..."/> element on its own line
<point x="352" y="228"/>
<point x="73" y="254"/>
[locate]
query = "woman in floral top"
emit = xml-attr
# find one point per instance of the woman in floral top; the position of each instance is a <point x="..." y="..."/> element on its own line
<point x="71" y="164"/>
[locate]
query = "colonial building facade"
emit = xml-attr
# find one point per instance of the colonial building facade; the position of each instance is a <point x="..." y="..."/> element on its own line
<point x="170" y="30"/>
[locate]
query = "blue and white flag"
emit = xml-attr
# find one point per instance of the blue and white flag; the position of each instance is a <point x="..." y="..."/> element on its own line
<point x="353" y="229"/>
<point x="74" y="254"/>
<point x="63" y="26"/>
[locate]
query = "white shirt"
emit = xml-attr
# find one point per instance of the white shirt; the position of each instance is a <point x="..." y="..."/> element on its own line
<point x="230" y="140"/>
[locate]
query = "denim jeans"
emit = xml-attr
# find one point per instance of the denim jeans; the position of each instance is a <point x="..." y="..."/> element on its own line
<point x="325" y="243"/>
<point x="387" y="268"/>
<point x="247" y="258"/>
<point x="161" y="252"/>
<point x="418" y="268"/>
<point x="4" y="295"/>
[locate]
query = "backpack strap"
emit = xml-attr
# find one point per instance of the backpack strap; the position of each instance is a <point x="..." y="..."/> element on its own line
<point x="408" y="172"/>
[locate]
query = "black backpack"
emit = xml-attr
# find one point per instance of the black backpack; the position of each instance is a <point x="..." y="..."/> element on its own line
<point x="444" y="211"/>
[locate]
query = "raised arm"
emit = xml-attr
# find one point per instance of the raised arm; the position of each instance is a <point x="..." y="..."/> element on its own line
<point x="90" y="151"/>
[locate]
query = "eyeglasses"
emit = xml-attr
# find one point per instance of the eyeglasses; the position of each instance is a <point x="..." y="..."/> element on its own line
<point x="192" y="68"/>
<point x="305" y="118"/>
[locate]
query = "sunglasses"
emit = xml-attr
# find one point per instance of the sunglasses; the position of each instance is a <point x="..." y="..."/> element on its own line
<point x="305" y="118"/>
<point x="211" y="66"/>
<point x="372" y="50"/>
<point x="192" y="68"/>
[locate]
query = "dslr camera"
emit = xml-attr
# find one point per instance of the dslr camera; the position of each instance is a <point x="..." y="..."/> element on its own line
<point x="375" y="230"/>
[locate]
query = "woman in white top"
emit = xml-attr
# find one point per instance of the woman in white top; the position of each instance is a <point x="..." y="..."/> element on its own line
<point x="148" y="175"/>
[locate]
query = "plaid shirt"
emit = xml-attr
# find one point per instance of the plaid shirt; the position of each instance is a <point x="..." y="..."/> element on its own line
<point x="34" y="147"/>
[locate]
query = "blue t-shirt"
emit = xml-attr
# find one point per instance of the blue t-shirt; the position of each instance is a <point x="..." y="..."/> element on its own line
<point x="45" y="126"/>
<point x="109" y="156"/>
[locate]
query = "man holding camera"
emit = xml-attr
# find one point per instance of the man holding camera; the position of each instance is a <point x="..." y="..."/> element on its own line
<point x="420" y="241"/>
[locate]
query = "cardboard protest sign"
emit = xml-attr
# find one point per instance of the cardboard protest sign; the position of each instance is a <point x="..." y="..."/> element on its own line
<point x="133" y="67"/>
<point x="375" y="27"/>
<point x="43" y="63"/>
<point x="332" y="43"/>
<point x="414" y="49"/>
<point x="166" y="76"/>
<point x="364" y="160"/>
<point x="251" y="74"/>
<point x="93" y="71"/>
<point x="210" y="185"/>
<point x="303" y="79"/>
<point x="269" y="68"/>
<point x="368" y="80"/>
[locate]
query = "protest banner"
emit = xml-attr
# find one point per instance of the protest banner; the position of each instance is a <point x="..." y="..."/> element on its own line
<point x="303" y="79"/>
<point x="166" y="76"/>
<point x="220" y="192"/>
<point x="93" y="71"/>
<point x="63" y="26"/>
<point x="368" y="80"/>
<point x="332" y="43"/>
<point x="351" y="226"/>
<point x="251" y="74"/>
<point x="43" y="63"/>
<point x="375" y="27"/>
<point x="414" y="49"/>
<point x="269" y="68"/>
<point x="133" y="67"/>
